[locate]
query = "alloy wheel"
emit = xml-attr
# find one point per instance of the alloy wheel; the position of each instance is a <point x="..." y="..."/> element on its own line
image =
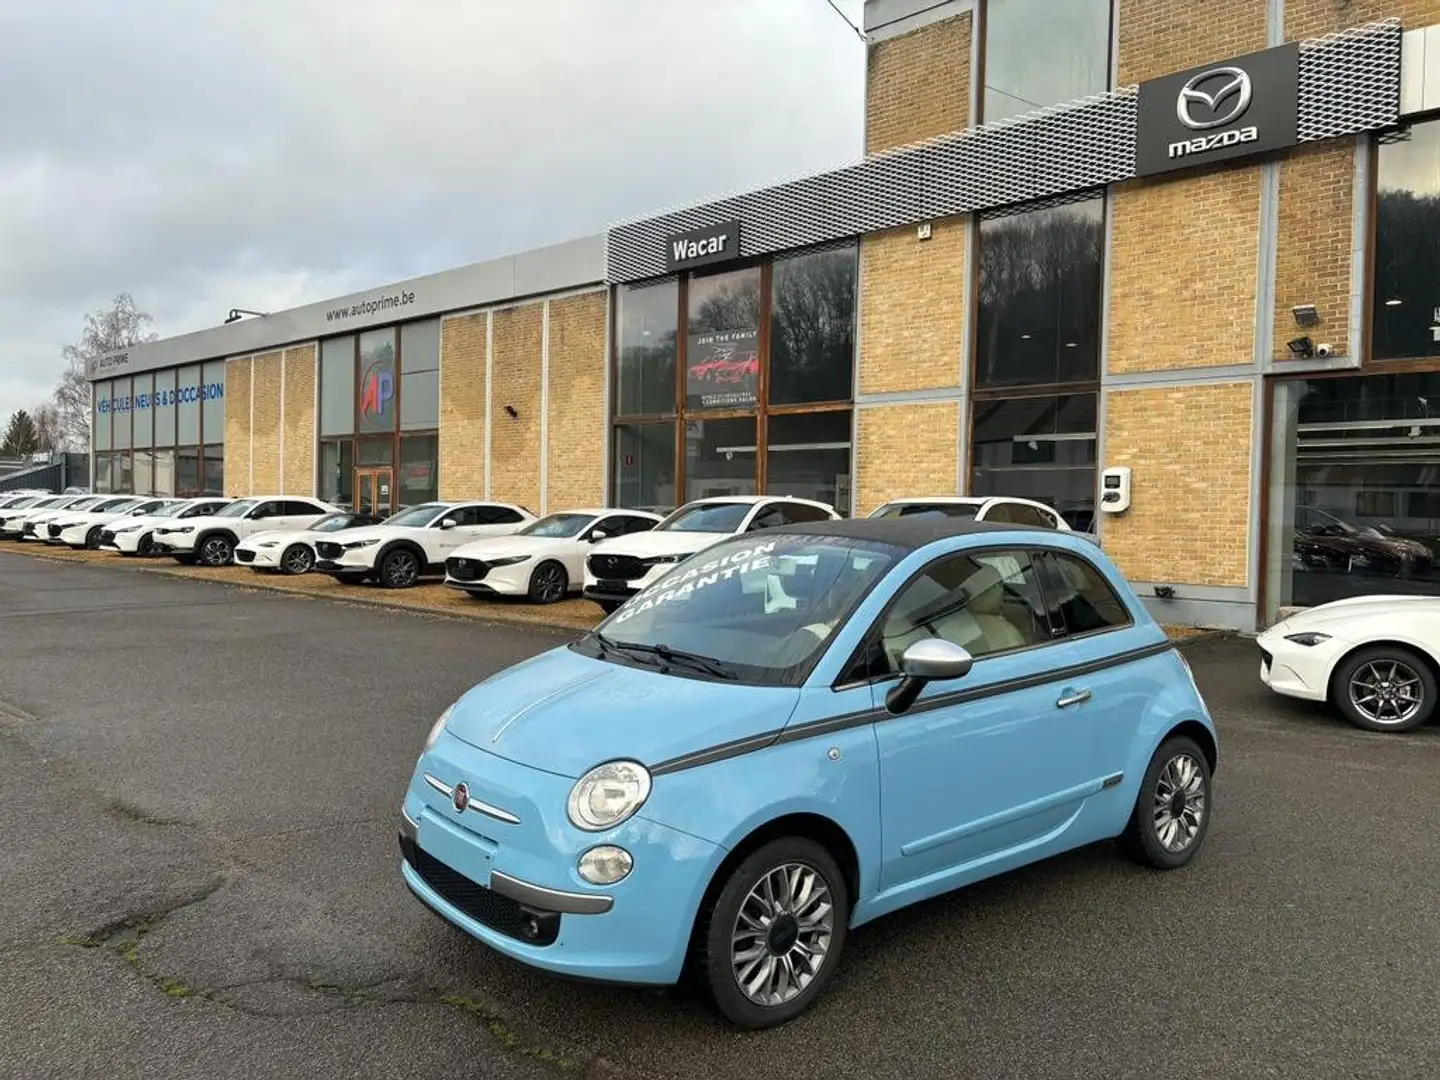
<point x="549" y="584"/>
<point x="401" y="570"/>
<point x="782" y="934"/>
<point x="297" y="560"/>
<point x="1179" y="805"/>
<point x="216" y="551"/>
<point x="1386" y="691"/>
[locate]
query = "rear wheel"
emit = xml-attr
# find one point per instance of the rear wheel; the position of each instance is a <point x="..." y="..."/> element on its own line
<point x="1385" y="688"/>
<point x="770" y="941"/>
<point x="1172" y="811"/>
<point x="549" y="583"/>
<point x="297" y="559"/>
<point x="216" y="550"/>
<point x="399" y="569"/>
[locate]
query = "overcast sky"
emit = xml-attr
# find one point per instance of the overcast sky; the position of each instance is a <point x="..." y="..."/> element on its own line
<point x="209" y="154"/>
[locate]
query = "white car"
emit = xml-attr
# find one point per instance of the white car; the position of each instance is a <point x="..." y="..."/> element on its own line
<point x="1007" y="509"/>
<point x="14" y="510"/>
<point x="293" y="551"/>
<point x="545" y="560"/>
<point x="135" y="536"/>
<point x="415" y="542"/>
<point x="24" y="525"/>
<point x="1372" y="657"/>
<point x="617" y="569"/>
<point x="211" y="541"/>
<point x="82" y="530"/>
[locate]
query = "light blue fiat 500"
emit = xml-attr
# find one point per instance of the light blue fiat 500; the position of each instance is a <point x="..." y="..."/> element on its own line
<point x="795" y="732"/>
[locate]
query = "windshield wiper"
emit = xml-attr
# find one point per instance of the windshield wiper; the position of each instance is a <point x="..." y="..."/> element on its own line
<point x="667" y="655"/>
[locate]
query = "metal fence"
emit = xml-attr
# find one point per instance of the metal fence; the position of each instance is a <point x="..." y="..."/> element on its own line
<point x="60" y="472"/>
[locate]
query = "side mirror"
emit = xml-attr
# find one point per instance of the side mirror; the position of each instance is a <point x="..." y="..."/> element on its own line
<point x="598" y="535"/>
<point x="930" y="660"/>
<point x="449" y="523"/>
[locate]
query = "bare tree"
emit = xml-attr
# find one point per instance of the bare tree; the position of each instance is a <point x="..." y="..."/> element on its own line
<point x="47" y="427"/>
<point x="107" y="331"/>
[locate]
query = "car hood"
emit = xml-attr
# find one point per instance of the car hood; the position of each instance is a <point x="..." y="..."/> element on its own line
<point x="370" y="532"/>
<point x="495" y="547"/>
<point x="566" y="713"/>
<point x="1347" y="618"/>
<point x="278" y="536"/>
<point x="197" y="523"/>
<point x="658" y="543"/>
<point x="145" y="522"/>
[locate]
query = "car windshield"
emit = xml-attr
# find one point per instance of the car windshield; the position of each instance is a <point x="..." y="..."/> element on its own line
<point x="238" y="508"/>
<point x="955" y="510"/>
<point x="78" y="504"/>
<point x="706" y="517"/>
<point x="171" y="510"/>
<point x="332" y="522"/>
<point x="558" y="525"/>
<point x="115" y="505"/>
<point x="417" y="517"/>
<point x="758" y="611"/>
<point x="22" y="504"/>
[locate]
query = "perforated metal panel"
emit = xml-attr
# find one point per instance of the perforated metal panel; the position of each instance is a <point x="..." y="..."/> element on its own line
<point x="1349" y="82"/>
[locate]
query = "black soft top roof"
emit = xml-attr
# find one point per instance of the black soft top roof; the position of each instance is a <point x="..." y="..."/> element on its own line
<point x="912" y="531"/>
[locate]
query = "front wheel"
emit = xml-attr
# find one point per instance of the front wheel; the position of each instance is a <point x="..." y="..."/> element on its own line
<point x="145" y="547"/>
<point x="1172" y="812"/>
<point x="771" y="940"/>
<point x="549" y="583"/>
<point x="399" y="570"/>
<point x="92" y="539"/>
<point x="216" y="551"/>
<point x="297" y="559"/>
<point x="1385" y="688"/>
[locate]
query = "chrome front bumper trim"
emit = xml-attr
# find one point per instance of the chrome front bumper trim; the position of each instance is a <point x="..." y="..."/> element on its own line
<point x="474" y="804"/>
<point x="567" y="903"/>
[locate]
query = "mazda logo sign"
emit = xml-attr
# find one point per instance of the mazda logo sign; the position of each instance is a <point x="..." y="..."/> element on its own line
<point x="1225" y="100"/>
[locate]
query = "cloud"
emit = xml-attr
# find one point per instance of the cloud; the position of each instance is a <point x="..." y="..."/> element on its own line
<point x="203" y="154"/>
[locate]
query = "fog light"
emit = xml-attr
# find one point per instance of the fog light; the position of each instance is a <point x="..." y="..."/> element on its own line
<point x="605" y="865"/>
<point x="530" y="926"/>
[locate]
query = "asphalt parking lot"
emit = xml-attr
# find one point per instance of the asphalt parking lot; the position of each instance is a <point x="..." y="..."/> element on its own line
<point x="198" y="793"/>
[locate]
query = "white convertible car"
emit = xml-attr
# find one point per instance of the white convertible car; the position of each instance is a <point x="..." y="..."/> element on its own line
<point x="545" y="560"/>
<point x="293" y="551"/>
<point x="1372" y="657"/>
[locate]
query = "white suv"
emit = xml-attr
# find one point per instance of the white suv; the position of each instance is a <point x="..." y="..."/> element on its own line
<point x="617" y="569"/>
<point x="1006" y="509"/>
<point x="211" y="541"/>
<point x="414" y="542"/>
<point x="135" y="536"/>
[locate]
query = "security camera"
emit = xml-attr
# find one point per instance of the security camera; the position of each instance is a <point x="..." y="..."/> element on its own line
<point x="1324" y="349"/>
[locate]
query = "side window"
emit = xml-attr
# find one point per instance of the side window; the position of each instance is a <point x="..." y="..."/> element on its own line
<point x="798" y="512"/>
<point x="463" y="516"/>
<point x="502" y="515"/>
<point x="613" y="526"/>
<point x="265" y="510"/>
<point x="1031" y="515"/>
<point x="637" y="524"/>
<point x="300" y="509"/>
<point x="769" y="517"/>
<point x="1082" y="596"/>
<point x="986" y="603"/>
<point x="1000" y="512"/>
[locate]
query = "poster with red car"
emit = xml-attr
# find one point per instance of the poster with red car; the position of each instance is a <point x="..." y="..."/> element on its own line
<point x="722" y="369"/>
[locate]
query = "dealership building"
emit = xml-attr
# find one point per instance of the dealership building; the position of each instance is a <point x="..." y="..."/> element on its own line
<point x="1167" y="267"/>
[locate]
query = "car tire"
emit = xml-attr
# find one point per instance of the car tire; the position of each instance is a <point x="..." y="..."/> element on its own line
<point x="399" y="569"/>
<point x="1172" y="812"/>
<point x="297" y="559"/>
<point x="549" y="583"/>
<point x="92" y="539"/>
<point x="216" y="550"/>
<point x="1375" y="689"/>
<point x="725" y="938"/>
<point x="145" y="546"/>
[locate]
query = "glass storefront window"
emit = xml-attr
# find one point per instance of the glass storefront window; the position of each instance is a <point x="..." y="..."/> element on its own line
<point x="122" y="406"/>
<point x="187" y="473"/>
<point x="144" y="422"/>
<point x="808" y="456"/>
<point x="648" y="319"/>
<point x="1040" y="286"/>
<point x="812" y="327"/>
<point x="419" y="469"/>
<point x="212" y="401"/>
<point x="719" y="457"/>
<point x="377" y="380"/>
<point x="122" y="473"/>
<point x="645" y="467"/>
<point x="375" y="452"/>
<point x="1407" y="262"/>
<point x="214" y="474"/>
<point x="1039" y="53"/>
<point x="102" y="474"/>
<point x="187" y="406"/>
<point x="1040" y="448"/>
<point x="100" y="419"/>
<point x="722" y="341"/>
<point x="1354" y="500"/>
<point x="337" y="386"/>
<point x="164" y="465"/>
<point x="420" y="375"/>
<point x="144" y="472"/>
<point x="337" y="467"/>
<point x="164" y="408"/>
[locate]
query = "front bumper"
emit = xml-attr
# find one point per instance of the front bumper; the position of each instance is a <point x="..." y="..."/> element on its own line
<point x="513" y="580"/>
<point x="73" y="537"/>
<point x="1298" y="671"/>
<point x="356" y="563"/>
<point x="258" y="558"/>
<point x="127" y="543"/>
<point x="173" y="543"/>
<point x="514" y="886"/>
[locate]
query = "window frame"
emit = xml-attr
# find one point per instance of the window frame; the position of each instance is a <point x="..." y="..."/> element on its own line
<point x="849" y="676"/>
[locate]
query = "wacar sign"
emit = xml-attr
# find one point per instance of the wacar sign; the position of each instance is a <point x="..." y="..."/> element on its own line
<point x="699" y="247"/>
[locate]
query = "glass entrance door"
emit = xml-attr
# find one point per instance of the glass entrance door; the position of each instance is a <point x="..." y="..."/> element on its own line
<point x="373" y="491"/>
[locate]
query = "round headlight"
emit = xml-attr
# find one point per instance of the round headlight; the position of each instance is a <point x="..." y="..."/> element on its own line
<point x="608" y="794"/>
<point x="438" y="727"/>
<point x="605" y="865"/>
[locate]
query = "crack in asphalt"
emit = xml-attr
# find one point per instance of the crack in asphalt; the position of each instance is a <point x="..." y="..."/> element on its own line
<point x="123" y="937"/>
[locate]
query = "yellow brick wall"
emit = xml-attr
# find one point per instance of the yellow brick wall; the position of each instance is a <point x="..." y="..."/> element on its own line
<point x="1188" y="449"/>
<point x="1311" y="18"/>
<point x="576" y="424"/>
<point x="515" y="441"/>
<point x="300" y="374"/>
<point x="1157" y="37"/>
<point x="912" y="307"/>
<point x="905" y="450"/>
<point x="237" y="427"/>
<point x="462" y="406"/>
<point x="265" y="430"/>
<point x="918" y="85"/>
<point x="1169" y="306"/>
<point x="1312" y="257"/>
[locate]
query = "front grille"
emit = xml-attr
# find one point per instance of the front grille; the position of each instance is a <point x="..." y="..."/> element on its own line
<point x="467" y="569"/>
<point x="485" y="906"/>
<point x="1265" y="659"/>
<point x="617" y="567"/>
<point x="244" y="556"/>
<point x="54" y="531"/>
<point x="29" y="529"/>
<point x="328" y="549"/>
<point x="107" y="537"/>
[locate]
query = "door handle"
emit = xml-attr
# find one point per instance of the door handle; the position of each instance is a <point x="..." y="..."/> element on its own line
<point x="1074" y="698"/>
